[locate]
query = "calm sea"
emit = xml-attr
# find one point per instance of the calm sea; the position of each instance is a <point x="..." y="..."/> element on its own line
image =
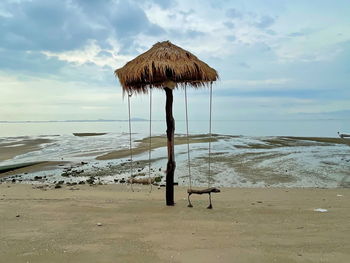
<point x="317" y="128"/>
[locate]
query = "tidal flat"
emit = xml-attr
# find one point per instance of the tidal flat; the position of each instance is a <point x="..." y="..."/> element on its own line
<point x="236" y="161"/>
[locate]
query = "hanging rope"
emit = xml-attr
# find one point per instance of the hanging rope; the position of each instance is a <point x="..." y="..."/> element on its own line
<point x="209" y="190"/>
<point x="150" y="139"/>
<point x="210" y="135"/>
<point x="130" y="142"/>
<point x="188" y="144"/>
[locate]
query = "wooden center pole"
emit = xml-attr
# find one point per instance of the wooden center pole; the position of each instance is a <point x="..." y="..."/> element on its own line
<point x="170" y="123"/>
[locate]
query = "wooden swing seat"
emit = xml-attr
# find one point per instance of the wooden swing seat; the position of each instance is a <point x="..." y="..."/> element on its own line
<point x="200" y="192"/>
<point x="203" y="191"/>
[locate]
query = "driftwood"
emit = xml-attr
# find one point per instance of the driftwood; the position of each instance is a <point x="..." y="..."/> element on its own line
<point x="89" y="133"/>
<point x="200" y="192"/>
<point x="141" y="180"/>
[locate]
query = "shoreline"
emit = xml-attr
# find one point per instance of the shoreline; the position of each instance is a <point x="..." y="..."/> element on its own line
<point x="237" y="161"/>
<point x="10" y="150"/>
<point x="110" y="223"/>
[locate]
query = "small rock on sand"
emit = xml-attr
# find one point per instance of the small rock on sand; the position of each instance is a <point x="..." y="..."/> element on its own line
<point x="322" y="210"/>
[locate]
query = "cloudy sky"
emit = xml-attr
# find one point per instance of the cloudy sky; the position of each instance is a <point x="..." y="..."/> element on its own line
<point x="276" y="59"/>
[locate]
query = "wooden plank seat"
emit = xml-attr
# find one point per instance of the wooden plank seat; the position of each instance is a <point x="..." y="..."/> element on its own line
<point x="200" y="192"/>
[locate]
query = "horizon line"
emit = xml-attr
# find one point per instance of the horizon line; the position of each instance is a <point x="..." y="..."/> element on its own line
<point x="144" y="120"/>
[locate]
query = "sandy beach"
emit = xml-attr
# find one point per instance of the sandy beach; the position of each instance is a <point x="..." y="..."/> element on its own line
<point x="174" y="131"/>
<point x="110" y="223"/>
<point x="69" y="206"/>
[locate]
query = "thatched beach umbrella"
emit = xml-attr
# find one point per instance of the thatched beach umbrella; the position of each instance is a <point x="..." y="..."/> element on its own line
<point x="166" y="66"/>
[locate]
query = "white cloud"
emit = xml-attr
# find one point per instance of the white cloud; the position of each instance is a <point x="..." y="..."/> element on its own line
<point x="299" y="52"/>
<point x="3" y="13"/>
<point x="259" y="82"/>
<point x="93" y="53"/>
<point x="215" y="38"/>
<point x="200" y="27"/>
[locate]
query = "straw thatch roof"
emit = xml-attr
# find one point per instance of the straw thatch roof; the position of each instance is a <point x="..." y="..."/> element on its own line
<point x="164" y="63"/>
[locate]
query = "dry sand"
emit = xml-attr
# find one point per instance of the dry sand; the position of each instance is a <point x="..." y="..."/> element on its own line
<point x="246" y="225"/>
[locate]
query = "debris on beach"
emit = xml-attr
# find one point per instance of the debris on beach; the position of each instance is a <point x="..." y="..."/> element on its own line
<point x="91" y="180"/>
<point x="144" y="181"/>
<point x="42" y="187"/>
<point x="322" y="210"/>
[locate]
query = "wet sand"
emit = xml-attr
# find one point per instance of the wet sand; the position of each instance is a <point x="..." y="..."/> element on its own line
<point x="10" y="150"/>
<point x="157" y="142"/>
<point x="256" y="162"/>
<point x="35" y="167"/>
<point x="246" y="225"/>
<point x="25" y="145"/>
